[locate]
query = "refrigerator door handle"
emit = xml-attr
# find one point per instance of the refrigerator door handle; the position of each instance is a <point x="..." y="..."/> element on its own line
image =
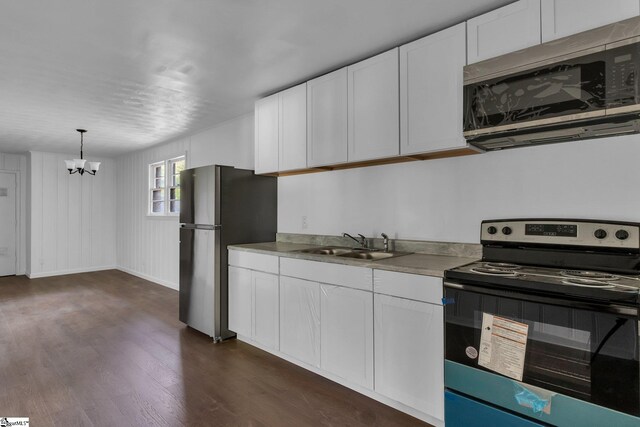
<point x="188" y="226"/>
<point x="208" y="227"/>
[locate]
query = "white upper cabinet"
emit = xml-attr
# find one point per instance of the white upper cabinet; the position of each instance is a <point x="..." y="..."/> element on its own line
<point x="267" y="134"/>
<point x="510" y="28"/>
<point x="327" y="119"/>
<point x="431" y="96"/>
<point x="293" y="128"/>
<point x="373" y="122"/>
<point x="562" y="18"/>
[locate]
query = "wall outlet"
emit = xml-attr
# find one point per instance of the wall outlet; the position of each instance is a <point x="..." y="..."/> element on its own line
<point x="305" y="223"/>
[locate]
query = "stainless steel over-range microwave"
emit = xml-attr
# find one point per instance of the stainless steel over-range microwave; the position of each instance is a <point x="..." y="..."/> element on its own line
<point x="581" y="86"/>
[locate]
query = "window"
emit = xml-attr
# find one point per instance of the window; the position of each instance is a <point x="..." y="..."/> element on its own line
<point x="164" y="186"/>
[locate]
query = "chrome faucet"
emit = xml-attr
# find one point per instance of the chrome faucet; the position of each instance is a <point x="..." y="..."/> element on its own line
<point x="385" y="242"/>
<point x="362" y="241"/>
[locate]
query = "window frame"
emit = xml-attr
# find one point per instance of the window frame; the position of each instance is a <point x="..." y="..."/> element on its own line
<point x="168" y="183"/>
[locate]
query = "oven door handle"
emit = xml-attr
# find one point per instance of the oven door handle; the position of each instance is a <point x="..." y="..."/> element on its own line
<point x="563" y="302"/>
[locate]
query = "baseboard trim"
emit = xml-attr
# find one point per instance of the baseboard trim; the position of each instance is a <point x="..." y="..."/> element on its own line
<point x="69" y="271"/>
<point x="155" y="280"/>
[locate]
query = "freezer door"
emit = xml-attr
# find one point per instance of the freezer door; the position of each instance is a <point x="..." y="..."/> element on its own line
<point x="197" y="195"/>
<point x="197" y="283"/>
<point x="186" y="196"/>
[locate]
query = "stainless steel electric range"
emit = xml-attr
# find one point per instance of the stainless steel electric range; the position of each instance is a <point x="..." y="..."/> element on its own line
<point x="544" y="329"/>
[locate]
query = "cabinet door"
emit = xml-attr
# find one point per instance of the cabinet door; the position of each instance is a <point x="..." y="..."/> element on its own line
<point x="562" y="18"/>
<point x="300" y="319"/>
<point x="240" y="285"/>
<point x="266" y="314"/>
<point x="503" y="30"/>
<point x="266" y="134"/>
<point x="346" y="333"/>
<point x="327" y="119"/>
<point x="374" y="127"/>
<point x="409" y="353"/>
<point x="431" y="98"/>
<point x="293" y="128"/>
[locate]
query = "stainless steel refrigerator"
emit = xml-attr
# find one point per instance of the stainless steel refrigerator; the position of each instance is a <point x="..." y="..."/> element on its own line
<point x="219" y="206"/>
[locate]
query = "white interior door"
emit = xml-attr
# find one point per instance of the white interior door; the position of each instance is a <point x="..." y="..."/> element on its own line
<point x="7" y="224"/>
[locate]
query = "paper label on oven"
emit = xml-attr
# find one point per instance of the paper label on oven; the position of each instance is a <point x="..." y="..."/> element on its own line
<point x="503" y="344"/>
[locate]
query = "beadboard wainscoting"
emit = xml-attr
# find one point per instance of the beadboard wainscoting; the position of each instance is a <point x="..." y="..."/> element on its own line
<point x="72" y="221"/>
<point x="18" y="163"/>
<point x="445" y="200"/>
<point x="148" y="246"/>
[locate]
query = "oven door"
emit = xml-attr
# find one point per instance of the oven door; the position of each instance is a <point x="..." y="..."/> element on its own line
<point x="586" y="352"/>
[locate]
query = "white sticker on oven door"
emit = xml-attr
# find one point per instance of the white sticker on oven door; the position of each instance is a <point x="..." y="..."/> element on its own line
<point x="503" y="344"/>
<point x="471" y="352"/>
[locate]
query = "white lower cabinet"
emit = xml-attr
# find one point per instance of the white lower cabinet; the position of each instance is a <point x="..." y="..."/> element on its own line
<point x="409" y="353"/>
<point x="266" y="313"/>
<point x="369" y="329"/>
<point x="253" y="305"/>
<point x="300" y="319"/>
<point x="346" y="333"/>
<point x="240" y="284"/>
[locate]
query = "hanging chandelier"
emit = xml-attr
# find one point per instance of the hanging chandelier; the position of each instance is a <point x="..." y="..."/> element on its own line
<point x="77" y="165"/>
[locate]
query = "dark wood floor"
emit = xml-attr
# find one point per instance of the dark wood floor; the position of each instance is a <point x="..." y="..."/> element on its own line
<point x="106" y="348"/>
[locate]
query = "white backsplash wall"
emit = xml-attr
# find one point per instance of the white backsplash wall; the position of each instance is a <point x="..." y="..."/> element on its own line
<point x="72" y="219"/>
<point x="445" y="200"/>
<point x="18" y="163"/>
<point x="148" y="246"/>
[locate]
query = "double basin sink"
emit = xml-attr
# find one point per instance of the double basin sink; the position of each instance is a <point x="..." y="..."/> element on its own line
<point x="355" y="253"/>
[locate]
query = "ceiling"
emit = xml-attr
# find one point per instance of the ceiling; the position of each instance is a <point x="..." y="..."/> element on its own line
<point x="136" y="73"/>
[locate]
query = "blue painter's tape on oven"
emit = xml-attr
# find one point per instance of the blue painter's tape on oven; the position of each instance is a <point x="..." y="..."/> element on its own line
<point x="500" y="391"/>
<point x="449" y="300"/>
<point x="530" y="399"/>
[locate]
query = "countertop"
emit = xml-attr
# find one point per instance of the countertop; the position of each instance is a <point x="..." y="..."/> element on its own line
<point x="416" y="263"/>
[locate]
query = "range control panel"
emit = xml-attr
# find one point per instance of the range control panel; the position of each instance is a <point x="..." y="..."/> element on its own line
<point x="563" y="232"/>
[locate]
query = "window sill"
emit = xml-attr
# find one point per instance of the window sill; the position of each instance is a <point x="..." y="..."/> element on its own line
<point x="164" y="217"/>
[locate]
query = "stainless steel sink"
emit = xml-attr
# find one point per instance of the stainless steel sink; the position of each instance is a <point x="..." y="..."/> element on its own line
<point x="371" y="255"/>
<point x="326" y="251"/>
<point x="355" y="253"/>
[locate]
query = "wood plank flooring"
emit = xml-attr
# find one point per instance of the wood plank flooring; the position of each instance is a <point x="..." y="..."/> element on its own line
<point x="106" y="349"/>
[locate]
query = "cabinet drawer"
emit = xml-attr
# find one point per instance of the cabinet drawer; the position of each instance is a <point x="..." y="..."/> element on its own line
<point x="324" y="272"/>
<point x="254" y="261"/>
<point x="411" y="286"/>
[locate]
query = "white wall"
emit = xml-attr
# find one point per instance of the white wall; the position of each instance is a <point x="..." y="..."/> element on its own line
<point x="445" y="200"/>
<point x="18" y="163"/>
<point x="72" y="222"/>
<point x="148" y="246"/>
